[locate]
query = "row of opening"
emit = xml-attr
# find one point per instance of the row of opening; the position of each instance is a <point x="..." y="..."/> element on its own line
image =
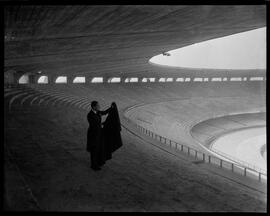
<point x="63" y="79"/>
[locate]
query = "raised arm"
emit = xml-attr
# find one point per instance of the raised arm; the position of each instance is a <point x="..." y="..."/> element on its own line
<point x="105" y="111"/>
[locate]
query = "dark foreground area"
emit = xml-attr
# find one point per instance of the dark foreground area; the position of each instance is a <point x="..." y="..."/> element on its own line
<point x="47" y="168"/>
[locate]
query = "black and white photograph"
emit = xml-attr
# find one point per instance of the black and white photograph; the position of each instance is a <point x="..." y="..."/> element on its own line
<point x="134" y="108"/>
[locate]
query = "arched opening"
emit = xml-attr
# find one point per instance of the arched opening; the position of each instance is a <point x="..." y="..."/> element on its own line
<point x="114" y="80"/>
<point x="187" y="79"/>
<point x="216" y="79"/>
<point x="236" y="79"/>
<point x="256" y="78"/>
<point x="169" y="79"/>
<point x="162" y="80"/>
<point x="97" y="80"/>
<point x="61" y="79"/>
<point x="179" y="79"/>
<point x="43" y="80"/>
<point x="133" y="79"/>
<point x="79" y="80"/>
<point x="197" y="79"/>
<point x="24" y="79"/>
<point x="225" y="79"/>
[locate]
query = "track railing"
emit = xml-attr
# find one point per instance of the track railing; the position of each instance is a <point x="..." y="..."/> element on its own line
<point x="234" y="167"/>
<point x="253" y="167"/>
<point x="205" y="158"/>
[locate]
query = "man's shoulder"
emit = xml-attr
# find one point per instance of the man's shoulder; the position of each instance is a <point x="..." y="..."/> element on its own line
<point x="91" y="113"/>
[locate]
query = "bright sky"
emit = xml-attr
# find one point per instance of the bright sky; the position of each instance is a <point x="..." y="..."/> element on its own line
<point x="245" y="50"/>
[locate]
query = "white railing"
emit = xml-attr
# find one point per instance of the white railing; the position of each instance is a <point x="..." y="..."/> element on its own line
<point x="241" y="162"/>
<point x="247" y="171"/>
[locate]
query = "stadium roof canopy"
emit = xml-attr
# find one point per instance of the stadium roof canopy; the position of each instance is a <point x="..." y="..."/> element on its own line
<point x="111" y="40"/>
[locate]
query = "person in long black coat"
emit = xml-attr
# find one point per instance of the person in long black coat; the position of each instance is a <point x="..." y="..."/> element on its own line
<point x="94" y="135"/>
<point x="112" y="132"/>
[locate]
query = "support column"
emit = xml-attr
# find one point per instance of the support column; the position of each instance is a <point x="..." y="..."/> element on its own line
<point x="36" y="78"/>
<point x="70" y="79"/>
<point x="50" y="79"/>
<point x="141" y="78"/>
<point x="17" y="76"/>
<point x="9" y="77"/>
<point x="32" y="78"/>
<point x="105" y="79"/>
<point x="53" y="79"/>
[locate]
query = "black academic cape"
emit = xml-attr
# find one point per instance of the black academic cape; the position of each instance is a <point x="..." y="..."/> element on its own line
<point x="111" y="133"/>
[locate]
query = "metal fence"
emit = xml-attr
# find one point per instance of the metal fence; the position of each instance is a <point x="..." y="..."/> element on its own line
<point x="224" y="164"/>
<point x="230" y="157"/>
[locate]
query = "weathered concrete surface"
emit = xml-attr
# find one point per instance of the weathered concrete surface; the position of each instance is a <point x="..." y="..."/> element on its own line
<point x="140" y="177"/>
<point x="174" y="119"/>
<point x="244" y="145"/>
<point x="208" y="130"/>
<point x="114" y="39"/>
<point x="17" y="193"/>
<point x="49" y="149"/>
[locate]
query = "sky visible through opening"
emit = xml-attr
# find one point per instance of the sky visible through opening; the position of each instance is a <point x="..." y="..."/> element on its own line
<point x="246" y="50"/>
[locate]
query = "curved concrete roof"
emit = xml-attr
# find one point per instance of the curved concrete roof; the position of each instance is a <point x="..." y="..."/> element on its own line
<point x="110" y="40"/>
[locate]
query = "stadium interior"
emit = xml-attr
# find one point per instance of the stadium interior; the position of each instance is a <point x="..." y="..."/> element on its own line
<point x="59" y="58"/>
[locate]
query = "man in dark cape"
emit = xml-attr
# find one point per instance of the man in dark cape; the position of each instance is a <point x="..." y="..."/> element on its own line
<point x="94" y="136"/>
<point x="111" y="132"/>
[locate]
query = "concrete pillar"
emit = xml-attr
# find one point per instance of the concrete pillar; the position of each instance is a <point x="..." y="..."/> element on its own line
<point x="32" y="78"/>
<point x="88" y="79"/>
<point x="140" y="79"/>
<point x="70" y="79"/>
<point x="36" y="78"/>
<point x="50" y="79"/>
<point x="53" y="79"/>
<point x="17" y="76"/>
<point x="9" y="77"/>
<point x="105" y="79"/>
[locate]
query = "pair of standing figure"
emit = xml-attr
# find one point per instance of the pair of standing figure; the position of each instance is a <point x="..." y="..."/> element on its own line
<point x="103" y="138"/>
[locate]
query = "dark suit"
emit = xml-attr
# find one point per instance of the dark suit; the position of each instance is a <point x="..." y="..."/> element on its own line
<point x="94" y="137"/>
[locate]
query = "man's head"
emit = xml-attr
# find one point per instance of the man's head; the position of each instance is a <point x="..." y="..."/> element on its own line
<point x="95" y="105"/>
